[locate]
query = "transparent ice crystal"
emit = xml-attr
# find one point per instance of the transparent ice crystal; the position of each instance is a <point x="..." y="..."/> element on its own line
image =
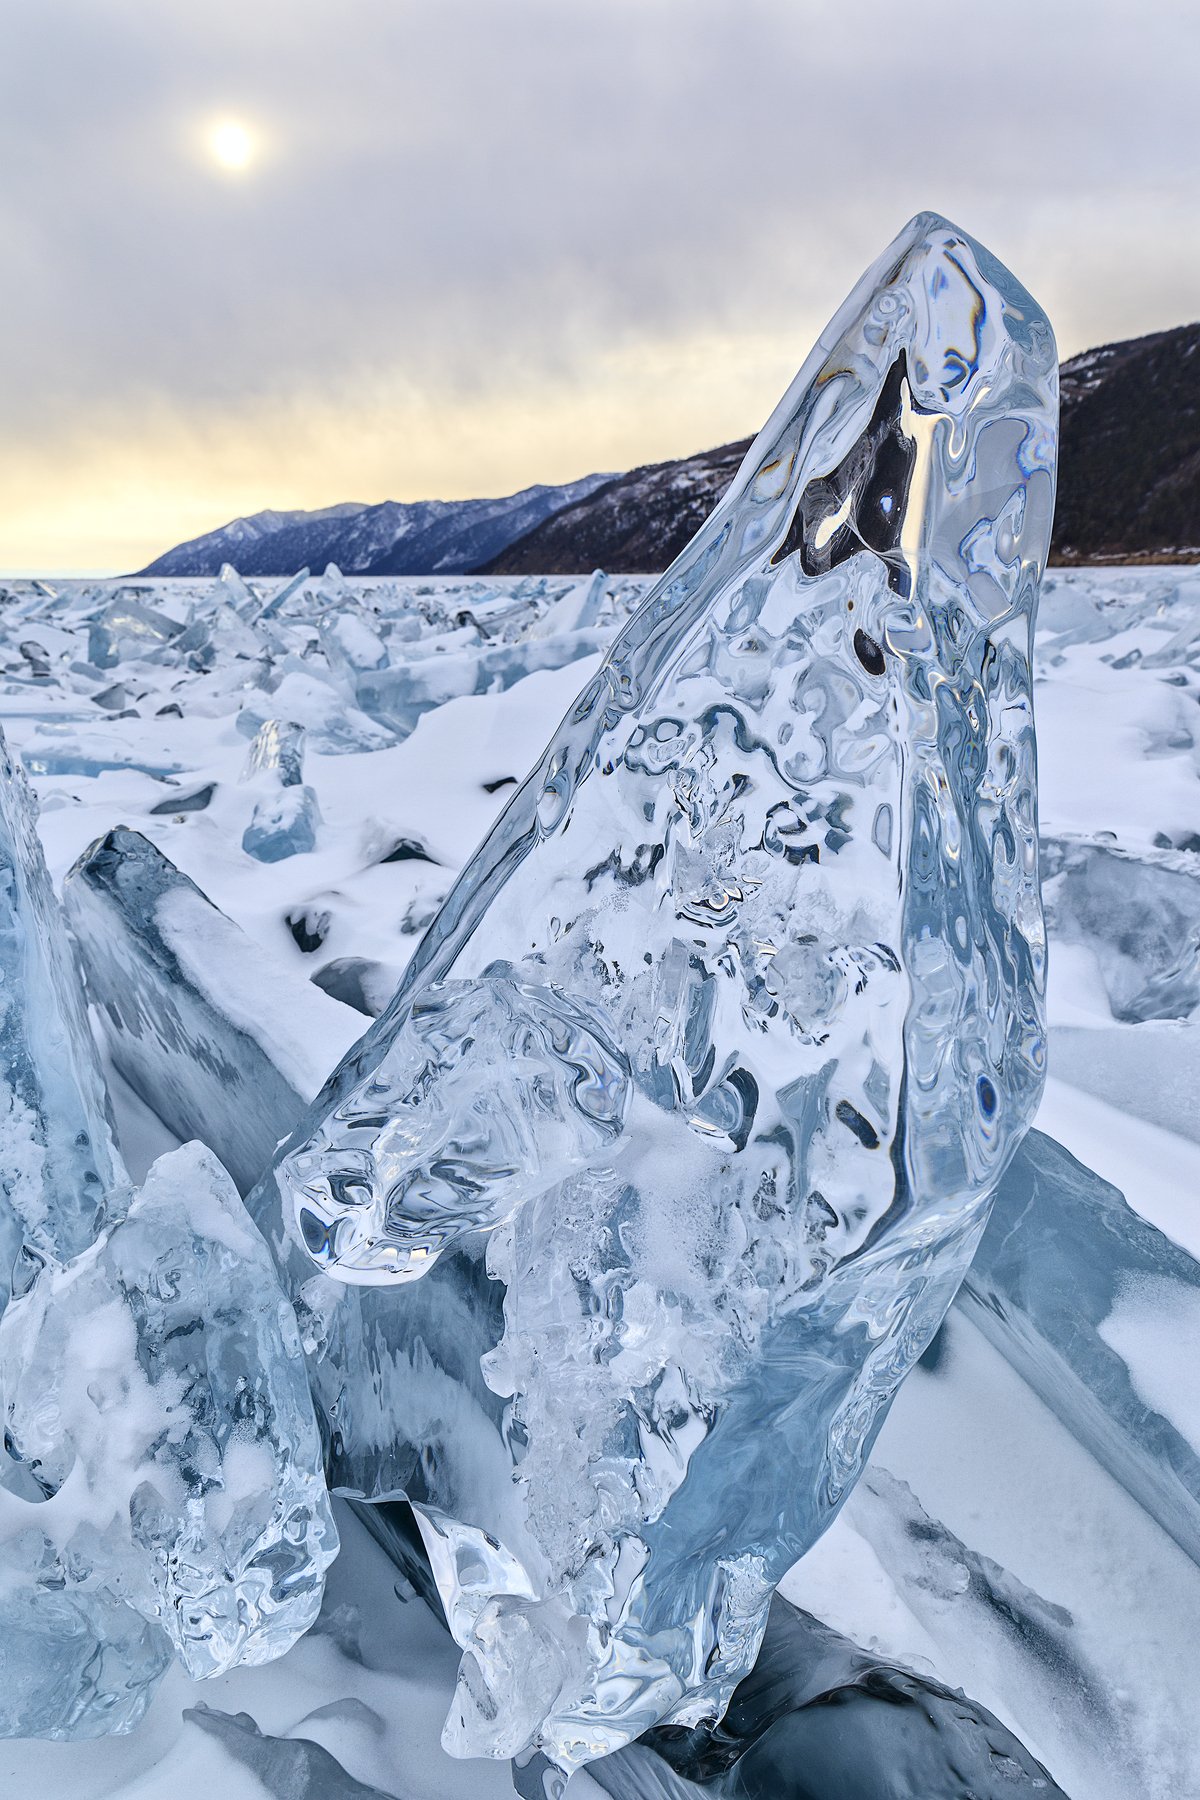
<point x="694" y="1097"/>
<point x="154" y="1392"/>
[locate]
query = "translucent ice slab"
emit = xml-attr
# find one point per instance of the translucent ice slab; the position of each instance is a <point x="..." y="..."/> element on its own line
<point x="154" y="1391"/>
<point x="202" y="1023"/>
<point x="756" y="954"/>
<point x="397" y="696"/>
<point x="285" y="818"/>
<point x="1139" y="915"/>
<point x="62" y="1177"/>
<point x="1083" y="1297"/>
<point x="127" y="629"/>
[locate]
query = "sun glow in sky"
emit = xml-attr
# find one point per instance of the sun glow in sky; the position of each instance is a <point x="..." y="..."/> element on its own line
<point x="232" y="145"/>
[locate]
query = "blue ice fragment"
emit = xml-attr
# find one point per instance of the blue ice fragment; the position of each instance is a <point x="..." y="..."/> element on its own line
<point x="285" y="818"/>
<point x="219" y="1039"/>
<point x="278" y="751"/>
<point x="283" y="824"/>
<point x="154" y="1386"/>
<point x="398" y="695"/>
<point x="283" y="594"/>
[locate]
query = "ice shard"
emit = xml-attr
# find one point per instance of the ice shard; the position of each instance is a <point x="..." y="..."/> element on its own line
<point x="154" y="1391"/>
<point x="221" y="1042"/>
<point x="1135" y="917"/>
<point x="161" y="1486"/>
<point x="228" y="1047"/>
<point x="1139" y="916"/>
<point x="816" y="1717"/>
<point x="767" y="913"/>
<point x="62" y="1179"/>
<point x="285" y="592"/>
<point x="126" y="629"/>
<point x="398" y="695"/>
<point x="285" y="817"/>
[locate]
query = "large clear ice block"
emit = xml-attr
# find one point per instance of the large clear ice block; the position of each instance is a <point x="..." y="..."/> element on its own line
<point x="892" y="1705"/>
<point x="767" y="914"/>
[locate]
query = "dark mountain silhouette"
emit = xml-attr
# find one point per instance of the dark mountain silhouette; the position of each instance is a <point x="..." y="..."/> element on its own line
<point x="1129" y="476"/>
<point x="1129" y="466"/>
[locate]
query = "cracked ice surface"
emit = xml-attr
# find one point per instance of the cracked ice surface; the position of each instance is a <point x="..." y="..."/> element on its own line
<point x="724" y="1036"/>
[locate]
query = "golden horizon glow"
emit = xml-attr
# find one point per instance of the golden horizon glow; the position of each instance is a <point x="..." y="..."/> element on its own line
<point x="232" y="145"/>
<point x="128" y="485"/>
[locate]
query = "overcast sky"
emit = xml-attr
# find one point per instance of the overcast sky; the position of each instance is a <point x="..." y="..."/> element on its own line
<point x="482" y="243"/>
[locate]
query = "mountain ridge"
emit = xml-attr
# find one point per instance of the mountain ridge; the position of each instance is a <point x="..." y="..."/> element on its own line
<point x="1129" y="490"/>
<point x="1129" y="476"/>
<point x="387" y="537"/>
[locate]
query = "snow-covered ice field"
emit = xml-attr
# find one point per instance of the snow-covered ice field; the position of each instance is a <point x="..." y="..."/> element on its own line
<point x="422" y="701"/>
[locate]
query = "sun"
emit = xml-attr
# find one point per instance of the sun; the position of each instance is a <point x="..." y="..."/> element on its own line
<point x="232" y="145"/>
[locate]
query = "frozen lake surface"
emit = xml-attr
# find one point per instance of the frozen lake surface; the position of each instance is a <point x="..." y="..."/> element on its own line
<point x="422" y="702"/>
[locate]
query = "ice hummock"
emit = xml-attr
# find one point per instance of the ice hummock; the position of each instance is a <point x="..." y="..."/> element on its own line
<point x="161" y="1489"/>
<point x="782" y="856"/>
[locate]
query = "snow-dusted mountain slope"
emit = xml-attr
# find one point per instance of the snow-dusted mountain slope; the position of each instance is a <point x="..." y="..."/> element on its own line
<point x="421" y="537"/>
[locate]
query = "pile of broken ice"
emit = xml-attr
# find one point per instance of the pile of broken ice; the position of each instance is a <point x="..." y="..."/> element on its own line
<point x="161" y="1491"/>
<point x="608" y="1244"/>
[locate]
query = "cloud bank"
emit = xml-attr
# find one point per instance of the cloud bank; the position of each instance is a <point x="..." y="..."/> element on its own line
<point x="490" y="243"/>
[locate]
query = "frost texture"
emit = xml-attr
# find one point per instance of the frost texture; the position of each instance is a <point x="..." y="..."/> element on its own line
<point x="161" y="1486"/>
<point x="775" y="878"/>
